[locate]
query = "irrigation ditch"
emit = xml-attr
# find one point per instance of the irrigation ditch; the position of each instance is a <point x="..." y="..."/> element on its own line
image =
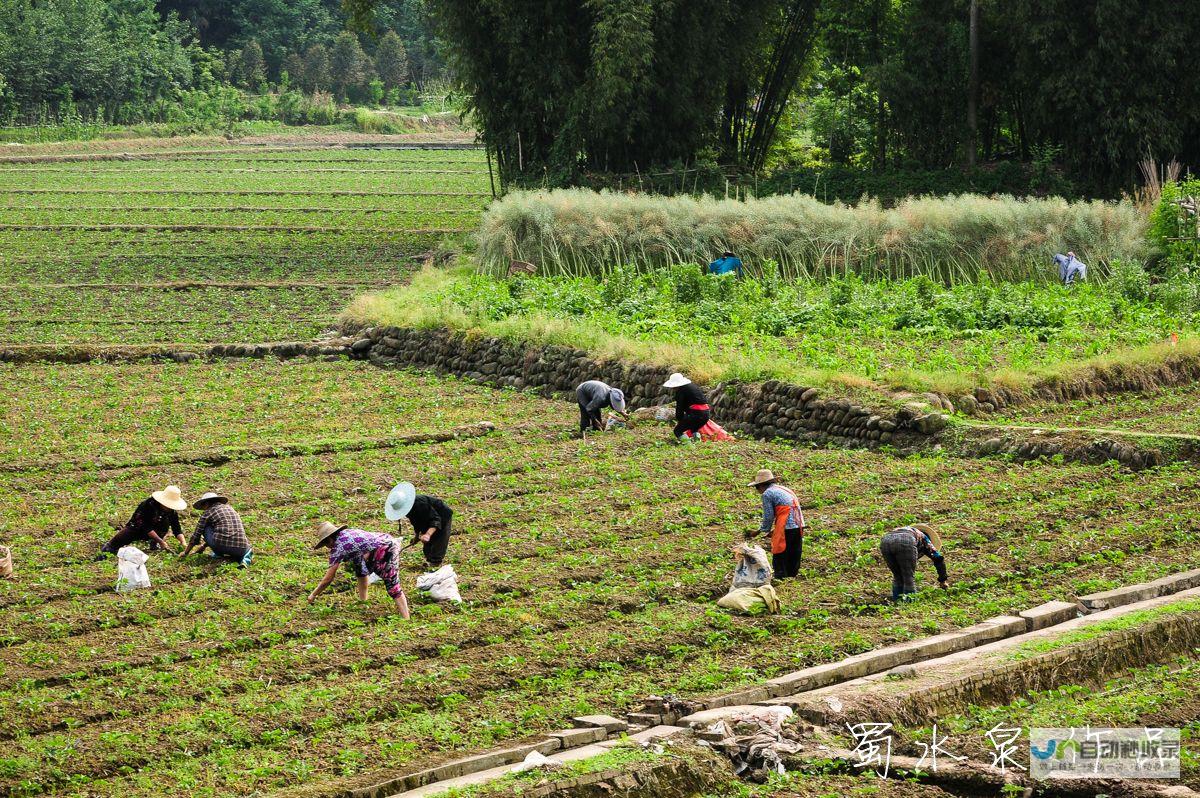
<point x="1083" y="641"/>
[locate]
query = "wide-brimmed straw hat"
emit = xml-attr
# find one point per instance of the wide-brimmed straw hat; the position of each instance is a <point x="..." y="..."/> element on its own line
<point x="209" y="497"/>
<point x="676" y="380"/>
<point x="617" y="399"/>
<point x="323" y="531"/>
<point x="765" y="476"/>
<point x="932" y="534"/>
<point x="170" y="497"/>
<point x="400" y="501"/>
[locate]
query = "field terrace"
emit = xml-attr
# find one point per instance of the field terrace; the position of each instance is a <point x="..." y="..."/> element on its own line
<point x="245" y="244"/>
<point x="589" y="570"/>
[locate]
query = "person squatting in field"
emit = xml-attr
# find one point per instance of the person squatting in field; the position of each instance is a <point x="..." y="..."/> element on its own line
<point x="430" y="518"/>
<point x="784" y="521"/>
<point x="902" y="547"/>
<point x="593" y="396"/>
<point x="364" y="553"/>
<point x="220" y="528"/>
<point x="691" y="408"/>
<point x="154" y="519"/>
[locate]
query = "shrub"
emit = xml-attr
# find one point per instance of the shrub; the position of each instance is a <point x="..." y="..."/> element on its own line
<point x="1173" y="229"/>
<point x="950" y="239"/>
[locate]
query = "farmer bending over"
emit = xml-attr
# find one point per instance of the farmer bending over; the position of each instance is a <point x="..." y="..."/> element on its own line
<point x="429" y="516"/>
<point x="152" y="520"/>
<point x="691" y="408"/>
<point x="221" y="529"/>
<point x="364" y="553"/>
<point x="593" y="396"/>
<point x="784" y="520"/>
<point x="1070" y="268"/>
<point x="728" y="262"/>
<point x="902" y="547"/>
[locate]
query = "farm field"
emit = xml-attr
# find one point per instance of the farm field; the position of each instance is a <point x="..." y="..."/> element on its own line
<point x="1151" y="697"/>
<point x="246" y="244"/>
<point x="1173" y="410"/>
<point x="590" y="573"/>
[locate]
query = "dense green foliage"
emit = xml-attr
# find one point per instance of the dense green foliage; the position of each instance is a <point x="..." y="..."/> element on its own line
<point x="908" y="333"/>
<point x="950" y="239"/>
<point x="1094" y="85"/>
<point x="126" y="61"/>
<point x="1175" y="223"/>
<point x="619" y="84"/>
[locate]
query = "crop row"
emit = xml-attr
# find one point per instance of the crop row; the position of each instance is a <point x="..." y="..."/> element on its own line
<point x="182" y="203"/>
<point x="77" y="411"/>
<point x="256" y="181"/>
<point x="1167" y="410"/>
<point x="642" y="540"/>
<point x="153" y="315"/>
<point x="341" y="218"/>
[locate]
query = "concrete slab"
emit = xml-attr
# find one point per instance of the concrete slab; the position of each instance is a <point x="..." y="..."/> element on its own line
<point x="573" y="738"/>
<point x="607" y="722"/>
<point x="1049" y="614"/>
<point x="750" y="695"/>
<point x="699" y="720"/>
<point x="1009" y="625"/>
<point x="1174" y="583"/>
<point x="485" y="776"/>
<point x="1118" y="597"/>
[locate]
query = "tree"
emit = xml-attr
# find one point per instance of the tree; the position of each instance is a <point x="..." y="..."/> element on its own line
<point x="347" y="64"/>
<point x="293" y="65"/>
<point x="598" y="84"/>
<point x="391" y="60"/>
<point x="316" y="68"/>
<point x="251" y="66"/>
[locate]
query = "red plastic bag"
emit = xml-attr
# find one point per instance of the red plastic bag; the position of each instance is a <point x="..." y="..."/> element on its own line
<point x="712" y="431"/>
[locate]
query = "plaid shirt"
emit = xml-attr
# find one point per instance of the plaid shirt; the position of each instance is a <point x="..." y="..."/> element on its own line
<point x="226" y="524"/>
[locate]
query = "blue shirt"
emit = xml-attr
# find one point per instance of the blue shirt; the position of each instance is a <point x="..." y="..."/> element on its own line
<point x="779" y="496"/>
<point x="725" y="266"/>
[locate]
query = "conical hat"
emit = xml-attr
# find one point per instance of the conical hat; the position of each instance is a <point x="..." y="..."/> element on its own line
<point x="932" y="534"/>
<point x="399" y="501"/>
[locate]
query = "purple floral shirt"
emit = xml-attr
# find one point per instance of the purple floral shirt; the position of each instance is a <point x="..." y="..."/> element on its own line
<point x="353" y="545"/>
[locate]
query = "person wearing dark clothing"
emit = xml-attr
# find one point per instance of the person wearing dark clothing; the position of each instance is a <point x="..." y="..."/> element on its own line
<point x="431" y="519"/>
<point x="593" y="396"/>
<point x="902" y="547"/>
<point x="691" y="408"/>
<point x="220" y="528"/>
<point x="153" y="520"/>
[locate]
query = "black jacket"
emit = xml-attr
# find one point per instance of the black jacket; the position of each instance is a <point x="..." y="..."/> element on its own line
<point x="685" y="397"/>
<point x="429" y="511"/>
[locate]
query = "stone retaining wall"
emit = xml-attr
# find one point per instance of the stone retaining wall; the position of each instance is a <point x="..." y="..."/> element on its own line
<point x="770" y="410"/>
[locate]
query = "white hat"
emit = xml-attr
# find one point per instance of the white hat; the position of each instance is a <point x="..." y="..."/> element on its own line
<point x="170" y="497"/>
<point x="400" y="501"/>
<point x="209" y="497"/>
<point x="617" y="398"/>
<point x="676" y="380"/>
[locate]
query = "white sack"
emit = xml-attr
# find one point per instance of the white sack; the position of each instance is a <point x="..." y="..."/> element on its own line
<point x="442" y="584"/>
<point x="131" y="569"/>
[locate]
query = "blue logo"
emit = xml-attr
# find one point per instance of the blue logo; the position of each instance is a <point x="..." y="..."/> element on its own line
<point x="1044" y="754"/>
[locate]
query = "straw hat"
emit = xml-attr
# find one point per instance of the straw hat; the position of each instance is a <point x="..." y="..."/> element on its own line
<point x="932" y="534"/>
<point x="765" y="476"/>
<point x="400" y="501"/>
<point x="209" y="497"/>
<point x="323" y="531"/>
<point x="170" y="497"/>
<point x="676" y="380"/>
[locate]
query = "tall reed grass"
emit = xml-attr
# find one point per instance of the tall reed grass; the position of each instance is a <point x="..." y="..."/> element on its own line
<point x="950" y="239"/>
